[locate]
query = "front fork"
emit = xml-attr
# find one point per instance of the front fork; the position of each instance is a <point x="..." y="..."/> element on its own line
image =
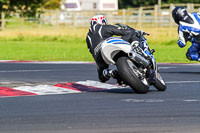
<point x="152" y="71"/>
<point x="149" y="61"/>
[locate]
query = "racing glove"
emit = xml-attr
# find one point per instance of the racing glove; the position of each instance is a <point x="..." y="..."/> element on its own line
<point x="181" y="44"/>
<point x="141" y="33"/>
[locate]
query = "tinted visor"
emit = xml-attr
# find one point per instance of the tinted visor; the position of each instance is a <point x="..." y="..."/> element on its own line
<point x="93" y="22"/>
<point x="104" y="21"/>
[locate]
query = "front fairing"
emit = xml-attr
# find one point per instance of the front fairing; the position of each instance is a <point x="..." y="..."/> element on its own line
<point x="149" y="54"/>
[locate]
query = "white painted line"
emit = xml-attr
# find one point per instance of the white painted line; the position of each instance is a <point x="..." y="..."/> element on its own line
<point x="158" y="100"/>
<point x="45" y="90"/>
<point x="178" y="82"/>
<point x="79" y="62"/>
<point x="143" y="100"/>
<point x="11" y="71"/>
<point x="46" y="70"/>
<point x="165" y="68"/>
<point x="196" y="64"/>
<point x="191" y="100"/>
<point x="180" y="64"/>
<point x="5" y="60"/>
<point x="99" y="84"/>
<point x="154" y="100"/>
<point x="133" y="100"/>
<point x="5" y="82"/>
<point x="62" y="62"/>
<point x="46" y="62"/>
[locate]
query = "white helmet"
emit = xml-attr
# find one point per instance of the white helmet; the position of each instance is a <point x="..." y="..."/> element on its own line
<point x="98" y="19"/>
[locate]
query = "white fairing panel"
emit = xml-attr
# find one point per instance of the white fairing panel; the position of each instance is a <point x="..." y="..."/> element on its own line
<point x="113" y="45"/>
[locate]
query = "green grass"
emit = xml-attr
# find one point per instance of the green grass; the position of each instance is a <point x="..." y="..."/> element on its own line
<point x="73" y="49"/>
<point x="170" y="54"/>
<point x="63" y="48"/>
<point x="61" y="43"/>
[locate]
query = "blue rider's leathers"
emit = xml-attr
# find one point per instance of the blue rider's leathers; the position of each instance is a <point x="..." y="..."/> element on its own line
<point x="189" y="30"/>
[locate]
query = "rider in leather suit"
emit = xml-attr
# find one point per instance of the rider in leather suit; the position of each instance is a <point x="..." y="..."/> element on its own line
<point x="188" y="30"/>
<point x="98" y="32"/>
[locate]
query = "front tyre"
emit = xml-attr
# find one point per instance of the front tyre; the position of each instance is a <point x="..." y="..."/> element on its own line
<point x="129" y="73"/>
<point x="160" y="83"/>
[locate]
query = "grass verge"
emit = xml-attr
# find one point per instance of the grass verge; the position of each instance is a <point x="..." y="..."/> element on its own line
<point x="73" y="49"/>
<point x="61" y="43"/>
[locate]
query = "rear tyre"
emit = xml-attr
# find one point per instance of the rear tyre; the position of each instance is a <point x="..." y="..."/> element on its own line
<point x="160" y="83"/>
<point x="128" y="72"/>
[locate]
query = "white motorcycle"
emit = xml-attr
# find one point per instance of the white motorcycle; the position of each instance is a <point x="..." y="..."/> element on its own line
<point x="136" y="66"/>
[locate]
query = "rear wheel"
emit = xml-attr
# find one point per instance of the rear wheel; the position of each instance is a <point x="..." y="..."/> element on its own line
<point x="131" y="75"/>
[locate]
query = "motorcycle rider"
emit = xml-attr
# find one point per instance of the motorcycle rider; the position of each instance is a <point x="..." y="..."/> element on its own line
<point x="99" y="31"/>
<point x="188" y="30"/>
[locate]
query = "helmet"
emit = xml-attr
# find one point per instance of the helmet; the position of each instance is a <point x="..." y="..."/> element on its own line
<point x="178" y="13"/>
<point x="98" y="19"/>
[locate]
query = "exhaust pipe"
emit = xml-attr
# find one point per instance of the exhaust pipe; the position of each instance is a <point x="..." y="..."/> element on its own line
<point x="138" y="58"/>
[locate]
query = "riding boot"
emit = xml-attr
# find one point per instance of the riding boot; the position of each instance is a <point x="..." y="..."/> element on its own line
<point x="102" y="77"/>
<point x="115" y="75"/>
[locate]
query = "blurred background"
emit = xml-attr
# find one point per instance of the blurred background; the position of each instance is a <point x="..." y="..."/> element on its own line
<point x="78" y="12"/>
<point x="47" y="29"/>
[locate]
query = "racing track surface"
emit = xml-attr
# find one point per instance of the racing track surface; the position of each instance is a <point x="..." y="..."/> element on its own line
<point x="177" y="110"/>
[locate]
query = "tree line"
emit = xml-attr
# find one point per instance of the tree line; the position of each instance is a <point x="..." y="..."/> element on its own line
<point x="138" y="3"/>
<point x="31" y="7"/>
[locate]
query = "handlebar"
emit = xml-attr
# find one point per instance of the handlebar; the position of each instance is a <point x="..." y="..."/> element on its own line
<point x="142" y="33"/>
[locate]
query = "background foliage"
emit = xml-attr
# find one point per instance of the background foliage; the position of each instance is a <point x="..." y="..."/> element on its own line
<point x="28" y="7"/>
<point x="33" y="5"/>
<point x="138" y="3"/>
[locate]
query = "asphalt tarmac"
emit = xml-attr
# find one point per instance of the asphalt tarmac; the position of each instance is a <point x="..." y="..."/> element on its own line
<point x="177" y="110"/>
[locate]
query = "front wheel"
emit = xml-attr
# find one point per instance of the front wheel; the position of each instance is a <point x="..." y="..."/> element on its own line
<point x="131" y="75"/>
<point x="160" y="83"/>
